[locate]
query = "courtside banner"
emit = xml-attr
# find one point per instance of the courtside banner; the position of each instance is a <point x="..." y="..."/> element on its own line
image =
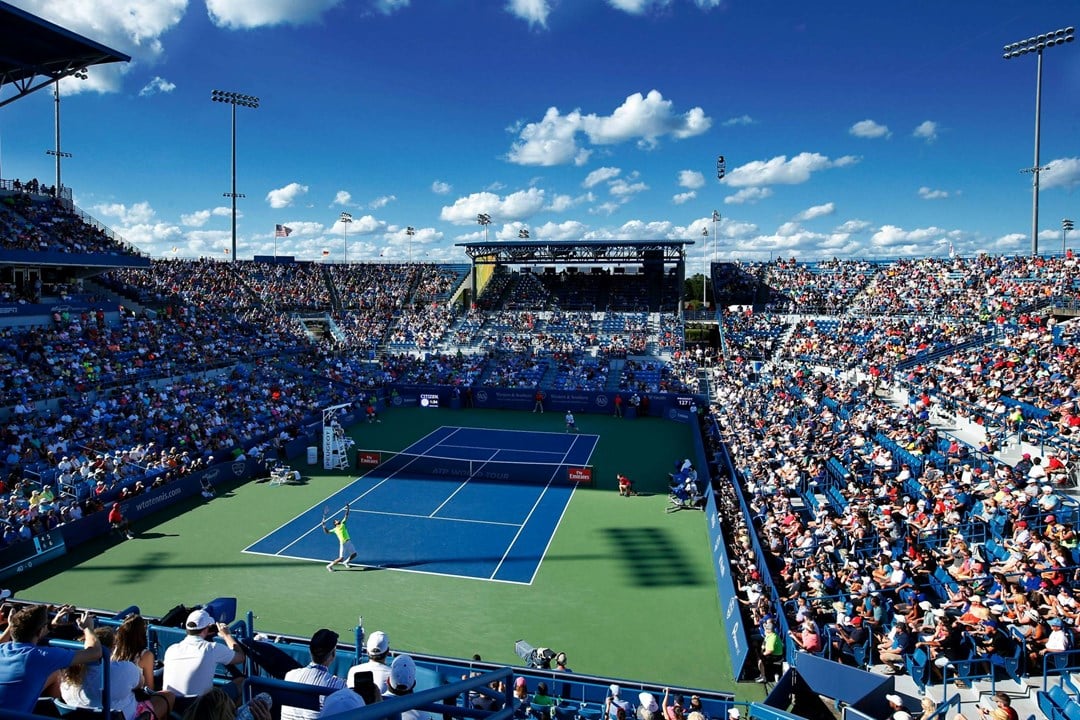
<point x="580" y="474"/>
<point x="370" y="459"/>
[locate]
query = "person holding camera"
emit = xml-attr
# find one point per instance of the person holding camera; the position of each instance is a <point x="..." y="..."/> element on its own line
<point x="29" y="669"/>
<point x="190" y="663"/>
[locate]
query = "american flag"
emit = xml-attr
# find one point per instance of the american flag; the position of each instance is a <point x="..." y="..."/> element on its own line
<point x="282" y="231"/>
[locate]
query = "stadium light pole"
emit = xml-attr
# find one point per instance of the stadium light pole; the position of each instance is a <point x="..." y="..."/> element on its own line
<point x="57" y="152"/>
<point x="345" y="219"/>
<point x="484" y="220"/>
<point x="523" y="233"/>
<point x="1066" y="226"/>
<point x="705" y="264"/>
<point x="410" y="231"/>
<point x="234" y="99"/>
<point x="1023" y="47"/>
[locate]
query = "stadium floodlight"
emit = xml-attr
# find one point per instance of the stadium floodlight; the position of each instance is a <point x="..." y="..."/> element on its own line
<point x="234" y="99"/>
<point x="58" y="153"/>
<point x="484" y="220"/>
<point x="1014" y="50"/>
<point x="345" y="219"/>
<point x="1066" y="227"/>
<point x="705" y="270"/>
<point x="523" y="233"/>
<point x="410" y="231"/>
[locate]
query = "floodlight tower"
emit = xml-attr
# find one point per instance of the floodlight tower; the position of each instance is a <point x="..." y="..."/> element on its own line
<point x="234" y="99"/>
<point x="523" y="233"/>
<point x="345" y="219"/>
<point x="484" y="220"/>
<point x="411" y="232"/>
<point x="58" y="153"/>
<point x="1066" y="227"/>
<point x="1037" y="45"/>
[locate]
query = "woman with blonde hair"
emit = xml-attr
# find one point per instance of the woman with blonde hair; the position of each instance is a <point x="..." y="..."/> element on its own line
<point x="80" y="686"/>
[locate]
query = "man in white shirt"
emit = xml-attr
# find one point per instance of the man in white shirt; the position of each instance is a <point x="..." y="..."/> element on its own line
<point x="190" y="663"/>
<point x="323" y="649"/>
<point x="378" y="647"/>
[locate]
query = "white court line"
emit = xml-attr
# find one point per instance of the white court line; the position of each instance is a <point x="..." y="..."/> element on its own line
<point x="516" y="432"/>
<point x="526" y="522"/>
<point x="443" y="519"/>
<point x="462" y="485"/>
<point x="383" y="567"/>
<point x="566" y="505"/>
<point x="498" y="450"/>
<point x="304" y="512"/>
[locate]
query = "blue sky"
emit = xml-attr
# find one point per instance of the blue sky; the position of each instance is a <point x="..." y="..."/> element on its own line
<point x="848" y="129"/>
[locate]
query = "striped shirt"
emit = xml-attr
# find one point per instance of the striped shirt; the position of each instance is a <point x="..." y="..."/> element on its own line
<point x="311" y="675"/>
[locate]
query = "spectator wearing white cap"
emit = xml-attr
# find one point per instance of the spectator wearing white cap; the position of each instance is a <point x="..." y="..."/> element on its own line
<point x="402" y="681"/>
<point x="613" y="703"/>
<point x="341" y="701"/>
<point x="322" y="648"/>
<point x="190" y="663"/>
<point x="648" y="708"/>
<point x="378" y="648"/>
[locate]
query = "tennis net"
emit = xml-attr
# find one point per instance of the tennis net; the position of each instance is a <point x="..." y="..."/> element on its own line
<point x="381" y="463"/>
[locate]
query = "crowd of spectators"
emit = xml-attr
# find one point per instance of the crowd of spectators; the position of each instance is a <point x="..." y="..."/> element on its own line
<point x="32" y="218"/>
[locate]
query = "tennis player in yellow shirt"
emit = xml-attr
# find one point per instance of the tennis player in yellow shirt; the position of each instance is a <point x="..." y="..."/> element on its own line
<point x="346" y="550"/>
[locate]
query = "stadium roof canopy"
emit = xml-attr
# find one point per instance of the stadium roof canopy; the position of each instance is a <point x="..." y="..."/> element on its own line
<point x="511" y="252"/>
<point x="35" y="53"/>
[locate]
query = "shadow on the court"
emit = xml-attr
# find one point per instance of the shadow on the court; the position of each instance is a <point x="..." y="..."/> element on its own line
<point x="650" y="558"/>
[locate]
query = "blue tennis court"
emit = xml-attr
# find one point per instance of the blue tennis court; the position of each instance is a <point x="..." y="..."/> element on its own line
<point x="466" y="502"/>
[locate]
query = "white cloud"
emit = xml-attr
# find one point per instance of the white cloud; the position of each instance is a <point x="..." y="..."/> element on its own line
<point x="535" y="12"/>
<point x="137" y="214"/>
<point x="691" y="179"/>
<point x="740" y="120"/>
<point x="286" y="196"/>
<point x="131" y="26"/>
<point x="869" y="129"/>
<point x="387" y="7"/>
<point x="748" y="195"/>
<point x="646" y="118"/>
<point x="222" y="211"/>
<point x="241" y="14"/>
<point x="365" y="225"/>
<point x="605" y="208"/>
<point x="552" y="141"/>
<point x="516" y="206"/>
<point x="816" y="211"/>
<point x="896" y="240"/>
<point x="381" y="202"/>
<point x="569" y="230"/>
<point x="441" y="188"/>
<point x="684" y="197"/>
<point x="195" y="219"/>
<point x="926" y="130"/>
<point x="623" y="188"/>
<point x="342" y="197"/>
<point x="781" y="171"/>
<point x="853" y="226"/>
<point x="600" y="175"/>
<point x="927" y="194"/>
<point x="158" y="85"/>
<point x="562" y="203"/>
<point x="1063" y="172"/>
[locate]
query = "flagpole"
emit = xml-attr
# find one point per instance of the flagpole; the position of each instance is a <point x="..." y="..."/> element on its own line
<point x="275" y="242"/>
